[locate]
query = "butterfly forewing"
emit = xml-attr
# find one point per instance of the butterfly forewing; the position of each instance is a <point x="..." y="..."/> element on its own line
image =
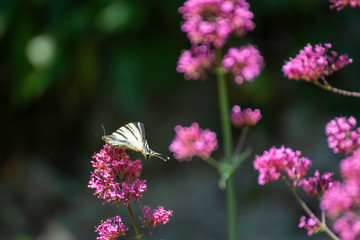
<point x="132" y="136"/>
<point x="128" y="136"/>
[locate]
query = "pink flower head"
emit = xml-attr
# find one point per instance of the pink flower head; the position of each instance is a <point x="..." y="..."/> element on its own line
<point x="194" y="63"/>
<point x="154" y="217"/>
<point x="245" y="62"/>
<point x="336" y="200"/>
<point x="279" y="162"/>
<point x="310" y="224"/>
<point x="316" y="184"/>
<point x="348" y="226"/>
<point x="115" y="177"/>
<point x="111" y="229"/>
<point x="247" y="117"/>
<point x="212" y="21"/>
<point x="312" y="63"/>
<point x="350" y="167"/>
<point x="340" y="4"/>
<point x="193" y="141"/>
<point x="342" y="135"/>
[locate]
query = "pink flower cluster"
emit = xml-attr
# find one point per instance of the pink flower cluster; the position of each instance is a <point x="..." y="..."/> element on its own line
<point x="244" y="62"/>
<point x="281" y="162"/>
<point x="111" y="229"/>
<point x="340" y="4"/>
<point x="313" y="63"/>
<point x="212" y="21"/>
<point x="343" y="137"/>
<point x="348" y="226"/>
<point x="193" y="141"/>
<point x="154" y="217"/>
<point x="194" y="63"/>
<point x="343" y="199"/>
<point x="310" y="224"/>
<point x="319" y="183"/>
<point x="115" y="177"/>
<point x="244" y="117"/>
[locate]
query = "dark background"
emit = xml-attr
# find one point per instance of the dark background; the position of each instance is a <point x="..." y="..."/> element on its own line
<point x="67" y="67"/>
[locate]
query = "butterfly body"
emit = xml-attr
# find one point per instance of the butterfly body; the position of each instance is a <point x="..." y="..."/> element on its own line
<point x="132" y="136"/>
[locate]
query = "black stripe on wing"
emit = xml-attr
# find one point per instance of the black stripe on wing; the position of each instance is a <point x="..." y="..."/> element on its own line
<point x="141" y="128"/>
<point x="131" y="133"/>
<point x="132" y="129"/>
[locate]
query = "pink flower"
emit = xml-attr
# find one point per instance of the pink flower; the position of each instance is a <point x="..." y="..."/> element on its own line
<point x="115" y="177"/>
<point x="348" y="226"/>
<point x="340" y="4"/>
<point x="245" y="62"/>
<point x="212" y="21"/>
<point x="350" y="167"/>
<point x="346" y="195"/>
<point x="247" y="117"/>
<point x="336" y="200"/>
<point x="193" y="141"/>
<point x="316" y="184"/>
<point x="194" y="63"/>
<point x="342" y="135"/>
<point x="154" y="217"/>
<point x="312" y="63"/>
<point x="111" y="229"/>
<point x="310" y="224"/>
<point x="279" y="162"/>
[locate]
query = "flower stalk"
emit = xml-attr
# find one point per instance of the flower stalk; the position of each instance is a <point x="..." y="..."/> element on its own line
<point x="322" y="222"/>
<point x="136" y="229"/>
<point x="227" y="143"/>
<point x="326" y="86"/>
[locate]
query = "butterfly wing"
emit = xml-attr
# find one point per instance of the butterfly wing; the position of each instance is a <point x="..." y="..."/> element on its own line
<point x="129" y="136"/>
<point x="132" y="136"/>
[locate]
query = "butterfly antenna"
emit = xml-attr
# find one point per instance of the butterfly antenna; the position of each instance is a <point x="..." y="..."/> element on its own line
<point x="103" y="128"/>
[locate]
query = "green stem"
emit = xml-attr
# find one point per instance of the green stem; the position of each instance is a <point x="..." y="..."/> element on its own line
<point x="241" y="141"/>
<point x="212" y="162"/>
<point x="227" y="143"/>
<point x="136" y="229"/>
<point x="330" y="88"/>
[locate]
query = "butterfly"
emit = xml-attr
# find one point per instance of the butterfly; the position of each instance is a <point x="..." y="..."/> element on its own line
<point x="132" y="136"/>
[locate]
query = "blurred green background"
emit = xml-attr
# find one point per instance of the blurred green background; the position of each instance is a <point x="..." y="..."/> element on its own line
<point x="67" y="67"/>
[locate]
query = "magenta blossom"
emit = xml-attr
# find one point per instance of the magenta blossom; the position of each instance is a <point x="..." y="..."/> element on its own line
<point x="212" y="21"/>
<point x="194" y="63"/>
<point x="343" y="137"/>
<point x="154" y="217"/>
<point x="244" y="117"/>
<point x="310" y="224"/>
<point x="111" y="229"/>
<point x="348" y="226"/>
<point x="245" y="62"/>
<point x="346" y="195"/>
<point x="343" y="199"/>
<point x="279" y="162"/>
<point x="336" y="200"/>
<point x="115" y="177"/>
<point x="350" y="167"/>
<point x="313" y="63"/>
<point x="193" y="141"/>
<point x="340" y="4"/>
<point x="316" y="184"/>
